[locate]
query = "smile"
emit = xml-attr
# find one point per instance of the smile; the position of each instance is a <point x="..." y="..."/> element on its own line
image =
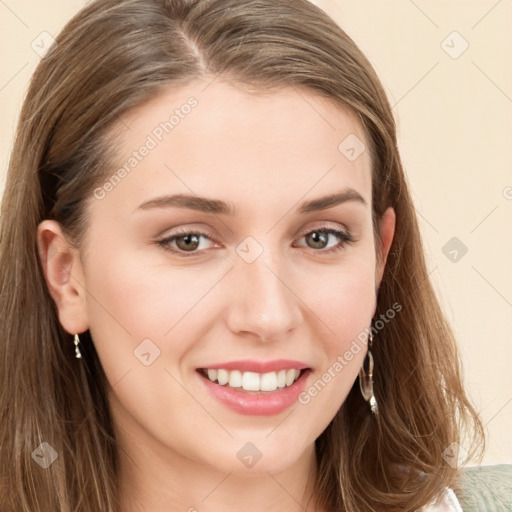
<point x="252" y="381"/>
<point x="269" y="399"/>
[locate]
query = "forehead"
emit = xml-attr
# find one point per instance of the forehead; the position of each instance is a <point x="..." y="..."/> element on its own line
<point x="216" y="139"/>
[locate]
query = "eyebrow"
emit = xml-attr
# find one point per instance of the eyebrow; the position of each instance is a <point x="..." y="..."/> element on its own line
<point x="218" y="207"/>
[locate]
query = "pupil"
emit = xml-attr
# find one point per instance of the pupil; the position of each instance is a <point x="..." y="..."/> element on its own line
<point x="188" y="239"/>
<point x="318" y="237"/>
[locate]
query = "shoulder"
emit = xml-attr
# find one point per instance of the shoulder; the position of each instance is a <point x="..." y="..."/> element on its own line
<point x="448" y="502"/>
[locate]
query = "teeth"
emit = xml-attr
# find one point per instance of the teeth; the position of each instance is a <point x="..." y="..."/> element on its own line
<point x="252" y="381"/>
<point x="268" y="381"/>
<point x="281" y="379"/>
<point x="222" y="377"/>
<point x="235" y="379"/>
<point x="290" y="377"/>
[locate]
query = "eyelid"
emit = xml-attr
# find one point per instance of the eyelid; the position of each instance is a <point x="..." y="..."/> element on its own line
<point x="186" y="230"/>
<point x="343" y="233"/>
<point x="326" y="225"/>
<point x="302" y="232"/>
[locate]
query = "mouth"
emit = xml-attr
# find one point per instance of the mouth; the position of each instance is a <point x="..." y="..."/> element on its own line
<point x="252" y="393"/>
<point x="252" y="382"/>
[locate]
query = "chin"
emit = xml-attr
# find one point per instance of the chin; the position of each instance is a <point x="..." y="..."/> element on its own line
<point x="258" y="457"/>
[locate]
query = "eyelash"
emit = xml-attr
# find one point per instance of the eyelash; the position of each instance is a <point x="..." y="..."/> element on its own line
<point x="345" y="239"/>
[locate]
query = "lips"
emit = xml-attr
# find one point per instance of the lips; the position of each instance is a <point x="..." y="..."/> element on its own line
<point x="248" y="365"/>
<point x="257" y="403"/>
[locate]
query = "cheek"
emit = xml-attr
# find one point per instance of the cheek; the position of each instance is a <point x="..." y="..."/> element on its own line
<point x="343" y="299"/>
<point x="122" y="309"/>
<point x="341" y="312"/>
<point x="131" y="299"/>
<point x="138" y="296"/>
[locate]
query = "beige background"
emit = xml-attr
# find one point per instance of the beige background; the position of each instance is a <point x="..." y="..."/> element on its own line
<point x="454" y="115"/>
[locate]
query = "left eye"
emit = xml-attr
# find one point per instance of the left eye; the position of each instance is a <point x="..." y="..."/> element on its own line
<point x="189" y="241"/>
<point x="321" y="236"/>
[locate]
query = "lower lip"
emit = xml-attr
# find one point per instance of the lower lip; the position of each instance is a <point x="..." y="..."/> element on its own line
<point x="266" y="404"/>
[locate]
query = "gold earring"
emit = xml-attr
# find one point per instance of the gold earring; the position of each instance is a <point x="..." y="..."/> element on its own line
<point x="78" y="355"/>
<point x="366" y="380"/>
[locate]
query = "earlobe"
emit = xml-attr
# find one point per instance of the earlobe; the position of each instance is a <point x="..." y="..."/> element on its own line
<point x="387" y="232"/>
<point x="63" y="274"/>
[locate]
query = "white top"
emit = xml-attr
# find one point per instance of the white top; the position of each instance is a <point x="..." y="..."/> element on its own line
<point x="449" y="503"/>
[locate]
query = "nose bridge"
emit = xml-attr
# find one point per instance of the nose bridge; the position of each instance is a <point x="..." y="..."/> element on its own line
<point x="265" y="303"/>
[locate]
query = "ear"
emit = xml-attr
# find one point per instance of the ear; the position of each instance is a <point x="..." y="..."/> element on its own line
<point x="387" y="231"/>
<point x="64" y="276"/>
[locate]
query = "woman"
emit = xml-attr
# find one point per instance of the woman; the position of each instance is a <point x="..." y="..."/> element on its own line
<point x="214" y="294"/>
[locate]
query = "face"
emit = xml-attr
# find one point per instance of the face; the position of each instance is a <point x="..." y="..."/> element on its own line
<point x="257" y="276"/>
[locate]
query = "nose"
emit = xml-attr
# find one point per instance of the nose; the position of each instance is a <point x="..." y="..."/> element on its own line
<point x="263" y="301"/>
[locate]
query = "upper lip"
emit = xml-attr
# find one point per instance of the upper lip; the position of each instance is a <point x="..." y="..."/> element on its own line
<point x="251" y="365"/>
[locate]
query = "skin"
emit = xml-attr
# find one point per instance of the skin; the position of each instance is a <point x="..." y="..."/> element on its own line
<point x="266" y="154"/>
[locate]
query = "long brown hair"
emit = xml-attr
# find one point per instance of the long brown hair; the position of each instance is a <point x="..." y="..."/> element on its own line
<point x="115" y="55"/>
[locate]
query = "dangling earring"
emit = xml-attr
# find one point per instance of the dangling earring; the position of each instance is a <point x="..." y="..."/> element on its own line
<point x="78" y="355"/>
<point x="366" y="380"/>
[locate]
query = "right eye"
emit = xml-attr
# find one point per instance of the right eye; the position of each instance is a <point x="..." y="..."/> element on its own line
<point x="186" y="241"/>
